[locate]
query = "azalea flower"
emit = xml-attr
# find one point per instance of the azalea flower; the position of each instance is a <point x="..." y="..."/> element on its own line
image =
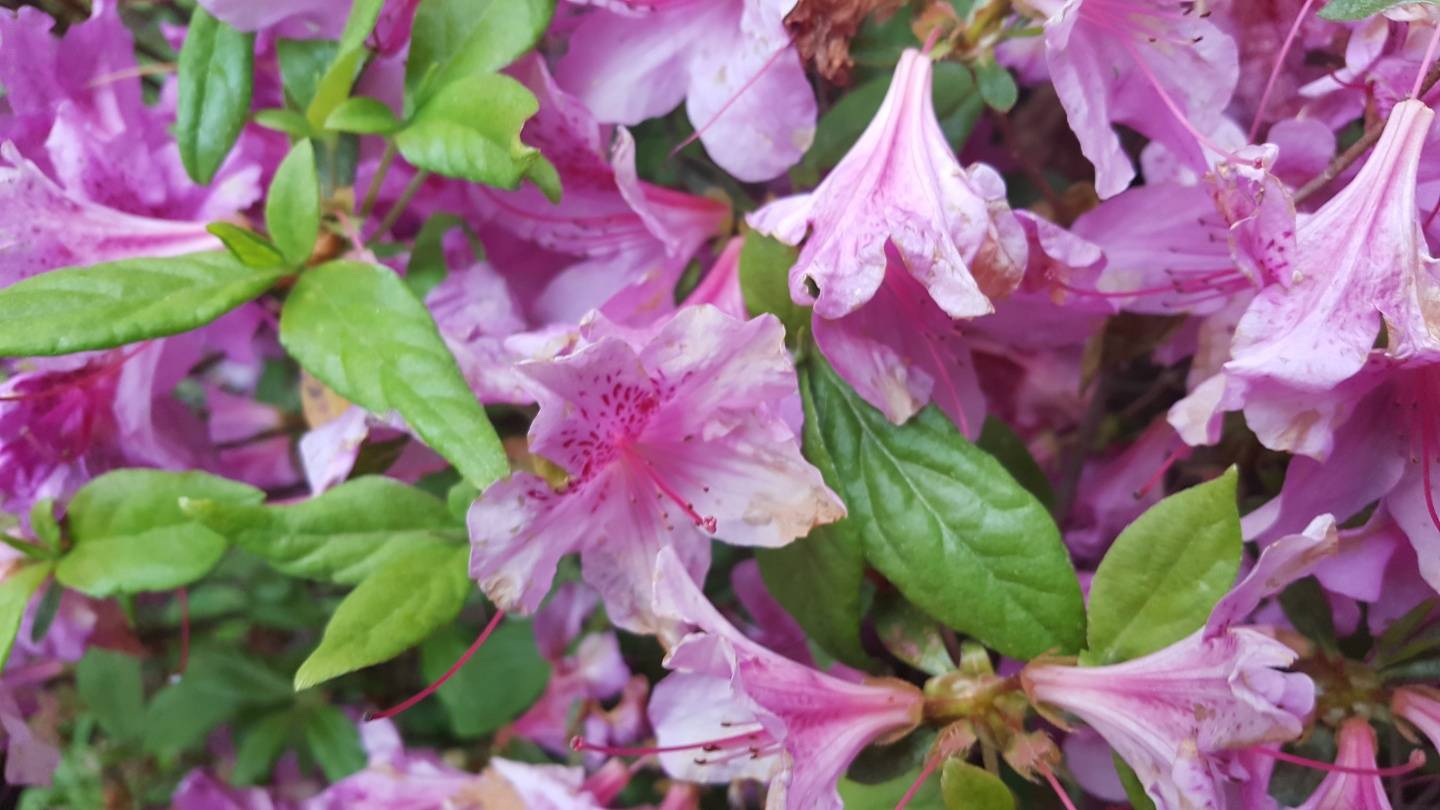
<point x="669" y="436"/>
<point x="900" y="184"/>
<point x="1354" y="791"/>
<point x="730" y="61"/>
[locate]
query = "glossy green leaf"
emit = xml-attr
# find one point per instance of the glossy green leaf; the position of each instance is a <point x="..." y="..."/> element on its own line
<point x="944" y="522"/>
<point x="765" y="281"/>
<point x="292" y="208"/>
<point x="1164" y="573"/>
<point x="248" y="247"/>
<point x="455" y="39"/>
<point x="215" y="80"/>
<point x="967" y="787"/>
<point x="111" y="689"/>
<point x="106" y="305"/>
<point x="470" y="129"/>
<point x="503" y="679"/>
<point x="340" y="536"/>
<point x="334" y="742"/>
<point x="363" y="115"/>
<point x="360" y="330"/>
<point x="1344" y="10"/>
<point x="130" y="534"/>
<point x="16" y="590"/>
<point x="396" y="607"/>
<point x="1000" y="441"/>
<point x="819" y="579"/>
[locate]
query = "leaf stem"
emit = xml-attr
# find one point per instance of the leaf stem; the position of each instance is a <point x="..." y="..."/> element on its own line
<point x="377" y="181"/>
<point x="393" y="215"/>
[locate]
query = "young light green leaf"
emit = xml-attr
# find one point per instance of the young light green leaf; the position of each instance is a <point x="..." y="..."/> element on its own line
<point x="44" y="525"/>
<point x="499" y="682"/>
<point x="250" y="248"/>
<point x="996" y="85"/>
<point x="303" y="63"/>
<point x="110" y="688"/>
<point x="334" y="86"/>
<point x="334" y="742"/>
<point x="215" y="79"/>
<point x="470" y="129"/>
<point x="287" y="121"/>
<point x="967" y="787"/>
<point x="130" y="534"/>
<point x="819" y="579"/>
<point x="364" y="116"/>
<point x="16" y="589"/>
<point x="765" y="281"/>
<point x="260" y="745"/>
<point x="340" y="536"/>
<point x="454" y="39"/>
<point x="396" y="607"/>
<point x="360" y="330"/>
<point x="106" y="305"/>
<point x="1346" y="10"/>
<point x="944" y="522"/>
<point x="292" y="208"/>
<point x="1164" y="573"/>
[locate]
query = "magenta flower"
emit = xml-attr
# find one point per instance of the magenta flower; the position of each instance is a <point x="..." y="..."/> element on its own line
<point x="668" y="438"/>
<point x="1361" y="262"/>
<point x="731" y="61"/>
<point x="735" y="709"/>
<point x="901" y="184"/>
<point x="1176" y="714"/>
<point x="1155" y="65"/>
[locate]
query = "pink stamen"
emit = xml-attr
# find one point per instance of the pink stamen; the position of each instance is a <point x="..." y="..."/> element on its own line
<point x="1180" y="117"/>
<point x="455" y="667"/>
<point x="1425" y="63"/>
<point x="1417" y="761"/>
<point x="930" y="40"/>
<point x="607" y="782"/>
<point x="1159" y="475"/>
<point x="1058" y="788"/>
<point x="1275" y="71"/>
<point x="925" y="773"/>
<point x="754" y="740"/>
<point x="706" y="522"/>
<point x="750" y="82"/>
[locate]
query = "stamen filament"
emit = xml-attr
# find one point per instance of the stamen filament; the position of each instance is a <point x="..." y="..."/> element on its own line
<point x="582" y="744"/>
<point x="455" y="667"/>
<point x="1058" y="788"/>
<point x="925" y="774"/>
<point x="1425" y="64"/>
<point x="1275" y="71"/>
<point x="1417" y="761"/>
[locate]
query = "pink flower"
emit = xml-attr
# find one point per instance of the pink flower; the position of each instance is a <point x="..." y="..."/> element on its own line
<point x="734" y="708"/>
<point x="731" y="61"/>
<point x="1176" y="714"/>
<point x="1419" y="706"/>
<point x="1155" y="65"/>
<point x="669" y="437"/>
<point x="1352" y="791"/>
<point x="1361" y="262"/>
<point x="901" y="184"/>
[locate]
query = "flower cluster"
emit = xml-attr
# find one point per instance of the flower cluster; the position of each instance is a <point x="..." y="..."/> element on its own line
<point x="1060" y="378"/>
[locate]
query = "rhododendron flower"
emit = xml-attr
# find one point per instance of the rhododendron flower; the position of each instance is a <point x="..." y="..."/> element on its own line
<point x="669" y="438"/>
<point x="901" y="184"/>
<point x="731" y="61"/>
<point x="1155" y="65"/>
<point x="1353" y="791"/>
<point x="1174" y="715"/>
<point x="734" y="708"/>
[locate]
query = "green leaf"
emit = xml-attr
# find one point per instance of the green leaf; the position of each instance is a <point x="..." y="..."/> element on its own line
<point x="1159" y="581"/>
<point x="427" y="267"/>
<point x="250" y="248"/>
<point x="110" y="688"/>
<point x="292" y="208"/>
<point x="130" y="534"/>
<point x="217" y="685"/>
<point x="966" y="787"/>
<point x="106" y="305"/>
<point x="360" y="330"/>
<point x="44" y="525"/>
<point x="45" y="611"/>
<point x="996" y="85"/>
<point x="260" y="745"/>
<point x="1345" y="10"/>
<point x="340" y="536"/>
<point x="334" y="742"/>
<point x="1134" y="791"/>
<point x="390" y="611"/>
<point x="1000" y="441"/>
<point x="910" y="635"/>
<point x="765" y="281"/>
<point x="819" y="579"/>
<point x="303" y="63"/>
<point x="334" y="86"/>
<point x="16" y="589"/>
<point x="287" y="121"/>
<point x="1308" y="609"/>
<point x="503" y="679"/>
<point x="944" y="522"/>
<point x="886" y="795"/>
<point x="364" y="116"/>
<point x="215" y="77"/>
<point x="470" y="129"/>
<point x="455" y="39"/>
